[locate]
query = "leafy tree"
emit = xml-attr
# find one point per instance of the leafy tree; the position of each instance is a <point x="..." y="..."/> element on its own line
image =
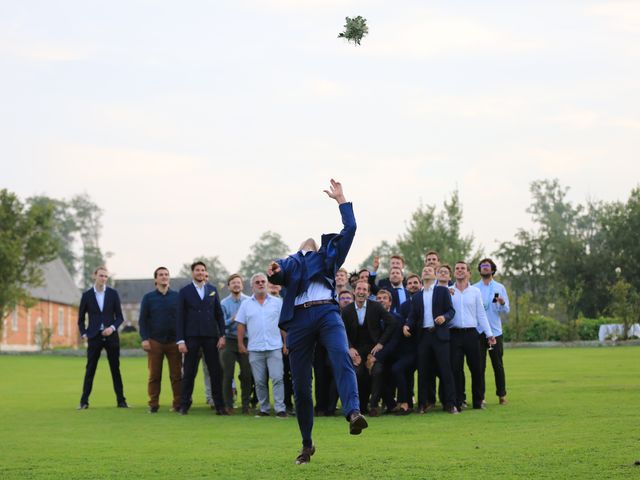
<point x="439" y="231"/>
<point x="625" y="304"/>
<point x="26" y="242"/>
<point x="88" y="217"/>
<point x="384" y="250"/>
<point x="218" y="274"/>
<point x="63" y="229"/>
<point x="269" y="247"/>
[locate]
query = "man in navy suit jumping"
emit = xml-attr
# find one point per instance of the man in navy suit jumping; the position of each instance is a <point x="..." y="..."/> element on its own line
<point x="102" y="304"/>
<point x="310" y="313"/>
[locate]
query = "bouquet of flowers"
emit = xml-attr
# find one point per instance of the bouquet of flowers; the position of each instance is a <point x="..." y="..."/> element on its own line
<point x="354" y="29"/>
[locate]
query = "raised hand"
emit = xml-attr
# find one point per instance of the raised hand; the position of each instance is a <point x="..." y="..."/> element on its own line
<point x="335" y="192"/>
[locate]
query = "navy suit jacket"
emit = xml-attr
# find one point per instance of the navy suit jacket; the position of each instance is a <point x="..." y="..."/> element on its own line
<point x="199" y="318"/>
<point x="110" y="316"/>
<point x="296" y="271"/>
<point x="440" y="305"/>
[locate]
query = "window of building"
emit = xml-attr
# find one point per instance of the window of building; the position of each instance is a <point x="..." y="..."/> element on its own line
<point x="14" y="320"/>
<point x="60" y="321"/>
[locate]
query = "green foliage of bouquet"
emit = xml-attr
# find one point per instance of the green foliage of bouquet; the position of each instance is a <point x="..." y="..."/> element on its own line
<point x="354" y="29"/>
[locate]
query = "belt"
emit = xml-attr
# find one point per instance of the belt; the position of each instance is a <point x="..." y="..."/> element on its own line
<point x="314" y="303"/>
<point x="455" y="329"/>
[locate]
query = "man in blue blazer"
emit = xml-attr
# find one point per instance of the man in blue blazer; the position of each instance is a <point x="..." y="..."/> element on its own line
<point x="310" y="313"/>
<point x="200" y="325"/>
<point x="102" y="304"/>
<point x="429" y="318"/>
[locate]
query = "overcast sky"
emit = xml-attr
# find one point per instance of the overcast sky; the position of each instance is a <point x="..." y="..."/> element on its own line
<point x="199" y="125"/>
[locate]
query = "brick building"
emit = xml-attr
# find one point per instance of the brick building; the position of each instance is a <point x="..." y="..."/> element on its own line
<point x="53" y="321"/>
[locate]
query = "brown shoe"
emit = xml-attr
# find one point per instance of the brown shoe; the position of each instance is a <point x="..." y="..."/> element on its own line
<point x="503" y="400"/>
<point x="373" y="412"/>
<point x="402" y="411"/>
<point x="429" y="407"/>
<point x="357" y="423"/>
<point x="245" y="411"/>
<point x="230" y="411"/>
<point x="305" y="455"/>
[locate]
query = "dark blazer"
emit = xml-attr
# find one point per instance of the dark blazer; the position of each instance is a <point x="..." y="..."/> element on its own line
<point x="395" y="298"/>
<point x="110" y="316"/>
<point x="199" y="318"/>
<point x="375" y="316"/>
<point x="392" y="348"/>
<point x="441" y="305"/>
<point x="298" y="270"/>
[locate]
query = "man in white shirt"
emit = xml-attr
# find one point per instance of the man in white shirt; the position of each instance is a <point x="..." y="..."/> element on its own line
<point x="258" y="317"/>
<point x="470" y="318"/>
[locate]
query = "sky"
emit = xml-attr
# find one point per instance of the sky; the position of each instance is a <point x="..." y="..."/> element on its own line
<point x="196" y="126"/>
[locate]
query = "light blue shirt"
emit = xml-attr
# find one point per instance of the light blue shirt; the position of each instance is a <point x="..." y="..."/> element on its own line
<point x="402" y="297"/>
<point x="230" y="308"/>
<point x="262" y="323"/>
<point x="469" y="310"/>
<point x="427" y="301"/>
<point x="361" y="312"/>
<point x="493" y="309"/>
<point x="200" y="290"/>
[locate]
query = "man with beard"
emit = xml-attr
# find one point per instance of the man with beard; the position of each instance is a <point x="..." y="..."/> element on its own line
<point x="495" y="302"/>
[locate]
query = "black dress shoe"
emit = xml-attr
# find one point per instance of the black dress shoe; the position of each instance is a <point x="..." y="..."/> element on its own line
<point x="83" y="406"/>
<point x="153" y="409"/>
<point x="357" y="423"/>
<point x="183" y="411"/>
<point x="402" y="411"/>
<point x="123" y="405"/>
<point x="305" y="455"/>
<point x="222" y="412"/>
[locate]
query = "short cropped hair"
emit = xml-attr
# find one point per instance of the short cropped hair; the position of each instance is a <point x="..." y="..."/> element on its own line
<point x="195" y="264"/>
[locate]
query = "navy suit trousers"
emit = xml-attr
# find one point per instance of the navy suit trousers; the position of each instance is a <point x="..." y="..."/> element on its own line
<point x="322" y="324"/>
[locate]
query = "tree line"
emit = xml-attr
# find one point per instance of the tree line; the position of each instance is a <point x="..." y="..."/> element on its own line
<point x="577" y="260"/>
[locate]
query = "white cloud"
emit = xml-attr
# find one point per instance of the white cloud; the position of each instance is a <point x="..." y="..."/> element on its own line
<point x="620" y="14"/>
<point x="429" y="33"/>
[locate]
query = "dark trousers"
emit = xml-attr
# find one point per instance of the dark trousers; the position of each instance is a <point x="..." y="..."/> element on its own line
<point x="495" y="355"/>
<point x="155" y="357"/>
<point x="323" y="324"/>
<point x="369" y="383"/>
<point x="325" y="385"/>
<point x="464" y="344"/>
<point x="434" y="357"/>
<point x="403" y="370"/>
<point x="388" y="385"/>
<point x="229" y="355"/>
<point x="288" y="383"/>
<point x="190" y="369"/>
<point x="94" y="348"/>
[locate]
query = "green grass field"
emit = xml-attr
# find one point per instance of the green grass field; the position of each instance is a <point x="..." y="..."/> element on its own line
<point x="573" y="413"/>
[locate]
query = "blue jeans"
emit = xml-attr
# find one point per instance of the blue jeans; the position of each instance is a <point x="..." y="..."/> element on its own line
<point x="264" y="365"/>
<point x="321" y="323"/>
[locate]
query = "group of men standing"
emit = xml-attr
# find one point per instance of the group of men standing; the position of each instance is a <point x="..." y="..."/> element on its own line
<point x="431" y="324"/>
<point x="364" y="343"/>
<point x="183" y="327"/>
